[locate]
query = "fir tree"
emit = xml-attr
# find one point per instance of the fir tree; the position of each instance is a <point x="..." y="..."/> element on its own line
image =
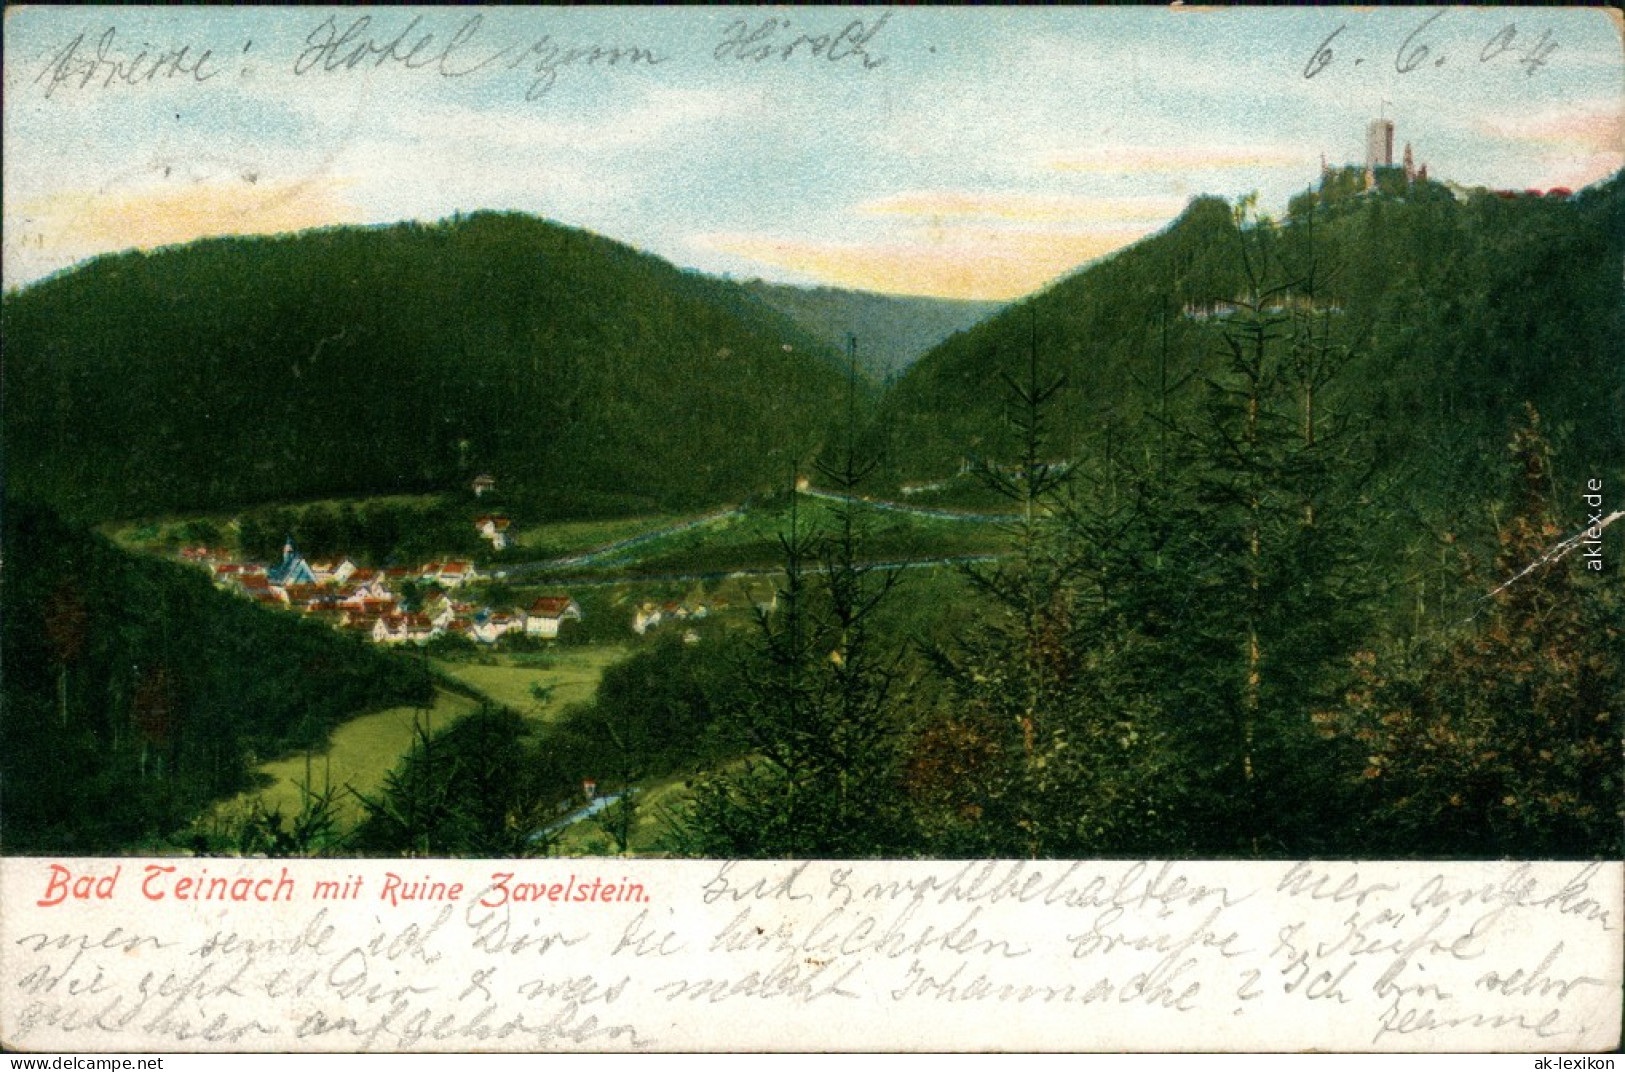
<point x="998" y="771"/>
<point x="1217" y="606"/>
<point x="1505" y="740"/>
<point x="472" y="789"/>
<point x="813" y="706"/>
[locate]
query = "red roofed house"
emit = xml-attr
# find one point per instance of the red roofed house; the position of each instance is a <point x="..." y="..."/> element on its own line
<point x="493" y="528"/>
<point x="493" y="627"/>
<point x="549" y="612"/>
<point x="258" y="587"/>
<point x="399" y="628"/>
<point x="229" y="572"/>
<point x="372" y="586"/>
<point x="333" y="572"/>
<point x="447" y="574"/>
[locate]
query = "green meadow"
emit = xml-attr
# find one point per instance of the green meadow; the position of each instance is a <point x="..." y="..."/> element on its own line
<point x="362" y="751"/>
<point x="567" y="675"/>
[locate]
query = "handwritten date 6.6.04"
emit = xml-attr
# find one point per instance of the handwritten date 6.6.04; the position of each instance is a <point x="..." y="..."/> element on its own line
<point x="1421" y="49"/>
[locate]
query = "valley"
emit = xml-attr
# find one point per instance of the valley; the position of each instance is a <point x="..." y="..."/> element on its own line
<point x="494" y="537"/>
<point x="624" y="572"/>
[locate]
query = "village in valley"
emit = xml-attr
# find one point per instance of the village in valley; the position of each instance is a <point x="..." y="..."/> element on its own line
<point x="443" y="598"/>
<point x="370" y="602"/>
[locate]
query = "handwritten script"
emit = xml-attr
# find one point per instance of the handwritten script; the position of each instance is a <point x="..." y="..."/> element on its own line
<point x="458" y="47"/>
<point x="105" y="62"/>
<point x="664" y="955"/>
<point x="1420" y="50"/>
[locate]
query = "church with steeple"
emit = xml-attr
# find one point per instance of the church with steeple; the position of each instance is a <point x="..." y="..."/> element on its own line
<point x="293" y="569"/>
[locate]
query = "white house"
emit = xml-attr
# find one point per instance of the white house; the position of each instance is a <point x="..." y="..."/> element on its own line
<point x="494" y="528"/>
<point x="548" y="613"/>
<point x="369" y="584"/>
<point x="448" y="574"/>
<point x="492" y="627"/>
<point x="399" y="628"/>
<point x="647" y="617"/>
<point x="333" y="572"/>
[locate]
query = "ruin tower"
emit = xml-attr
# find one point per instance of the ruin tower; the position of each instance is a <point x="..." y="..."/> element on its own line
<point x="1410" y="164"/>
<point x="1379" y="144"/>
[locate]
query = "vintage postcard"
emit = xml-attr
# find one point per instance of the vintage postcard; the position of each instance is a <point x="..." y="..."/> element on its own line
<point x="813" y="528"/>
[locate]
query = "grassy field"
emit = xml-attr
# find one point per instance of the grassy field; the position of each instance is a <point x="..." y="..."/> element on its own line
<point x="362" y="751"/>
<point x="752" y="541"/>
<point x="567" y="537"/>
<point x="572" y="673"/>
<point x="365" y="749"/>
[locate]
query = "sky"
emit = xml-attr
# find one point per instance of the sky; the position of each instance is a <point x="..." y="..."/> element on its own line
<point x="953" y="152"/>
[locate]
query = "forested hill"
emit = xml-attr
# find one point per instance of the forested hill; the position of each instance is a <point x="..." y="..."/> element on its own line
<point x="135" y="693"/>
<point x="1440" y="318"/>
<point x="581" y="373"/>
<point x="892" y="330"/>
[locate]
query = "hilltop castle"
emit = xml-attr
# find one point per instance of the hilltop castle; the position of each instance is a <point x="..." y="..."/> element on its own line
<point x="1379" y="153"/>
<point x="1379" y="171"/>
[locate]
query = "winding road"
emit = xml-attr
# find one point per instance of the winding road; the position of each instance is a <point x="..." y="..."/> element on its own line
<point x="620" y="550"/>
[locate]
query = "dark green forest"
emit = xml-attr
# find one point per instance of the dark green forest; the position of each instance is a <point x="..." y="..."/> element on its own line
<point x="1454" y="313"/>
<point x="136" y="694"/>
<point x="895" y="330"/>
<point x="346" y="362"/>
<point x="1295" y="559"/>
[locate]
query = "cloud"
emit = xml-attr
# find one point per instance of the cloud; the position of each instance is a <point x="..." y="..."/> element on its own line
<point x="426" y="160"/>
<point x="364" y="163"/>
<point x="1575" y="146"/>
<point x="1174" y="159"/>
<point x="652" y="118"/>
<point x="1024" y="207"/>
<point x="56" y="230"/>
<point x="1593" y="125"/>
<point x="972" y="263"/>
